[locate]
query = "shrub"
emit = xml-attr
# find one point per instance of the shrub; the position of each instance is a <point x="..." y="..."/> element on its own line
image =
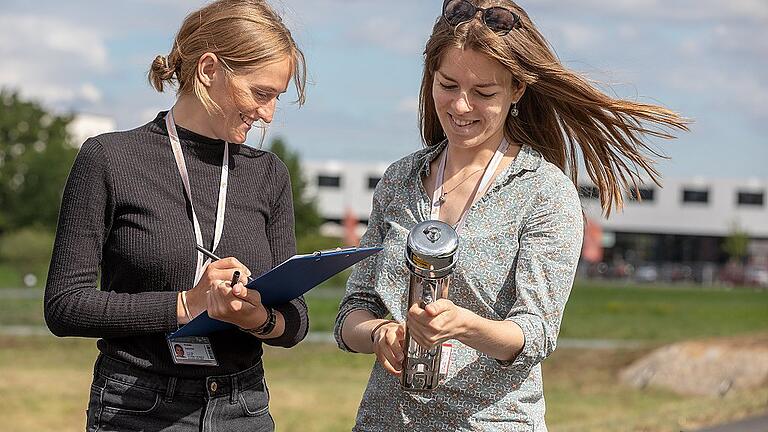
<point x="27" y="250"/>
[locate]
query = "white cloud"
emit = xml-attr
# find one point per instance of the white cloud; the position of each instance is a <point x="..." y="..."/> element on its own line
<point x="690" y="47"/>
<point x="62" y="94"/>
<point x="690" y="54"/>
<point x="628" y="31"/>
<point x="743" y="40"/>
<point x="90" y="93"/>
<point x="727" y="89"/>
<point x="390" y="34"/>
<point x="679" y="10"/>
<point x="578" y="36"/>
<point x="149" y="113"/>
<point x="409" y="105"/>
<point x="756" y="9"/>
<point x="28" y="36"/>
<point x="51" y="60"/>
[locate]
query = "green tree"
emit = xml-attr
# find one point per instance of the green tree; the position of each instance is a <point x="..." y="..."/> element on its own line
<point x="35" y="158"/>
<point x="308" y="220"/>
<point x="736" y="244"/>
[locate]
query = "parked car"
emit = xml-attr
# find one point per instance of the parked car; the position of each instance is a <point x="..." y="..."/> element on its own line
<point x="646" y="273"/>
<point x="758" y="276"/>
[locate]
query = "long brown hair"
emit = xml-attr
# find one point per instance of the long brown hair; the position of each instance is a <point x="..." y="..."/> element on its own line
<point x="241" y="33"/>
<point x="560" y="109"/>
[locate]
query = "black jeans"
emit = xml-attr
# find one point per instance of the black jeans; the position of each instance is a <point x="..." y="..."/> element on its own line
<point x="126" y="398"/>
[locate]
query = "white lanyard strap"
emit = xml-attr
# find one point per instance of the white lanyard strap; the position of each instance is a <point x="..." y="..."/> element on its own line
<point x="485" y="182"/>
<point x="173" y="136"/>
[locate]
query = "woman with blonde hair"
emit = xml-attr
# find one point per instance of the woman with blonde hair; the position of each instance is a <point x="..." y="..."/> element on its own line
<point x="504" y="123"/>
<point x="138" y="202"/>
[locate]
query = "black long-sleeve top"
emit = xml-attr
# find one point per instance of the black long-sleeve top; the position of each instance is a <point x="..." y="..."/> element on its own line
<point x="125" y="219"/>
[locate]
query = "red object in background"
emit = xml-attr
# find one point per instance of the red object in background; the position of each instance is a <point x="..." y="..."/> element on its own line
<point x="592" y="249"/>
<point x="350" y="228"/>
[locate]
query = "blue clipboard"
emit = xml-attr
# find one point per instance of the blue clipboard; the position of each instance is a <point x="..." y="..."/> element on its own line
<point x="289" y="280"/>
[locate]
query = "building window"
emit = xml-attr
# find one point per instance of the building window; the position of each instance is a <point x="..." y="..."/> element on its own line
<point x="644" y="194"/>
<point x="328" y="181"/>
<point x="589" y="192"/>
<point x="696" y="196"/>
<point x="751" y="198"/>
<point x="372" y="182"/>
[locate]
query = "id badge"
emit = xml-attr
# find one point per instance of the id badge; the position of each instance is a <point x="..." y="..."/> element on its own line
<point x="192" y="350"/>
<point x="445" y="358"/>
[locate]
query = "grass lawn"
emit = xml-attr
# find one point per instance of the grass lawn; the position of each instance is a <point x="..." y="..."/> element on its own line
<point x="44" y="381"/>
<point x="44" y="387"/>
<point x="648" y="313"/>
<point x="13" y="277"/>
<point x="659" y="313"/>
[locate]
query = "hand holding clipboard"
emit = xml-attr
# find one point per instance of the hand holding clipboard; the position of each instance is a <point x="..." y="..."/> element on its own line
<point x="289" y="280"/>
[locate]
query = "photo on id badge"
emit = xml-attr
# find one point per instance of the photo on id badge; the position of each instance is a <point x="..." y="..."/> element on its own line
<point x="192" y="350"/>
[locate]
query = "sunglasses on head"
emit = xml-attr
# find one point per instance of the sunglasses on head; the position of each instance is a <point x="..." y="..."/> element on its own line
<point x="499" y="19"/>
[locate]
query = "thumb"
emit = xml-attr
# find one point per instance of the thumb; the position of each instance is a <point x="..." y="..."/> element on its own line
<point x="400" y="331"/>
<point x="436" y="308"/>
<point x="243" y="293"/>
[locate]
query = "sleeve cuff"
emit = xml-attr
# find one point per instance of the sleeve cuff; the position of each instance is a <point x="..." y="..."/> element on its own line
<point x="296" y="324"/>
<point x="528" y="356"/>
<point x="348" y="306"/>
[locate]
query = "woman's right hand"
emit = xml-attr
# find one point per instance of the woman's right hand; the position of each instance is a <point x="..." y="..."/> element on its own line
<point x="214" y="273"/>
<point x="388" y="341"/>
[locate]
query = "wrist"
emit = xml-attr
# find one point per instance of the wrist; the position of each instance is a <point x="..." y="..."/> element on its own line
<point x="466" y="328"/>
<point x="258" y="318"/>
<point x="181" y="314"/>
<point x="264" y="322"/>
<point x="195" y="304"/>
<point x="187" y="313"/>
<point x="378" y="327"/>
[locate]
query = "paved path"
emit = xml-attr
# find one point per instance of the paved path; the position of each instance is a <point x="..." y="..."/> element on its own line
<point x="321" y="337"/>
<point x="753" y="424"/>
<point x="21" y="293"/>
<point x="327" y="337"/>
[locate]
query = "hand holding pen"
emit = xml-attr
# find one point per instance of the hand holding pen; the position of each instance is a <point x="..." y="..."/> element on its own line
<point x="213" y="256"/>
<point x="233" y="302"/>
<point x="239" y="291"/>
<point x="192" y="302"/>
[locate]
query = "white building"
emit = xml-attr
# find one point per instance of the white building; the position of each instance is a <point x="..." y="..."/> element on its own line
<point x="688" y="218"/>
<point x="341" y="187"/>
<point x="691" y="206"/>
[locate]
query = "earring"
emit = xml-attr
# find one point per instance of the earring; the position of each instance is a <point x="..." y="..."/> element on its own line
<point x="513" y="111"/>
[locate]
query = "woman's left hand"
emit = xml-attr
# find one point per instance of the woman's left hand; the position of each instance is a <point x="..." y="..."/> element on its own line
<point x="237" y="305"/>
<point x="437" y="322"/>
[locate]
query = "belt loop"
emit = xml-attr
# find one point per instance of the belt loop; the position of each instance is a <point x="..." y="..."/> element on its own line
<point x="97" y="364"/>
<point x="234" y="393"/>
<point x="170" y="389"/>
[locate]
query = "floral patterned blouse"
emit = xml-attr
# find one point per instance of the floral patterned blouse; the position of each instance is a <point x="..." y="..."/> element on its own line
<point x="517" y="259"/>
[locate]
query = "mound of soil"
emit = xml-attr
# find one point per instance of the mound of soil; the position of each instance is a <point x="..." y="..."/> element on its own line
<point x="711" y="367"/>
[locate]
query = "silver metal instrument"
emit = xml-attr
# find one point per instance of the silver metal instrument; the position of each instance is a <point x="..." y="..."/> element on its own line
<point x="430" y="255"/>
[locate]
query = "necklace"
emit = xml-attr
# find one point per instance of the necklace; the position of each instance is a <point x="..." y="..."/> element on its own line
<point x="488" y="177"/>
<point x="441" y="200"/>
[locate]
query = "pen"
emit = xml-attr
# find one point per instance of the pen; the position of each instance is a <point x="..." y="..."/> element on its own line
<point x="235" y="278"/>
<point x="212" y="256"/>
<point x="207" y="253"/>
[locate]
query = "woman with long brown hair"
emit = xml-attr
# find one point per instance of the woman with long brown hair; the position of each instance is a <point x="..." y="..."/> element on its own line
<point x="504" y="124"/>
<point x="138" y="202"/>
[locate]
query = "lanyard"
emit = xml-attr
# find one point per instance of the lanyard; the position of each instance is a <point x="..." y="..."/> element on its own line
<point x="485" y="182"/>
<point x="182" y="166"/>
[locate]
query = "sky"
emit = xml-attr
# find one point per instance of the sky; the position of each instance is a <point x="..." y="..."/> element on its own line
<point x="706" y="59"/>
